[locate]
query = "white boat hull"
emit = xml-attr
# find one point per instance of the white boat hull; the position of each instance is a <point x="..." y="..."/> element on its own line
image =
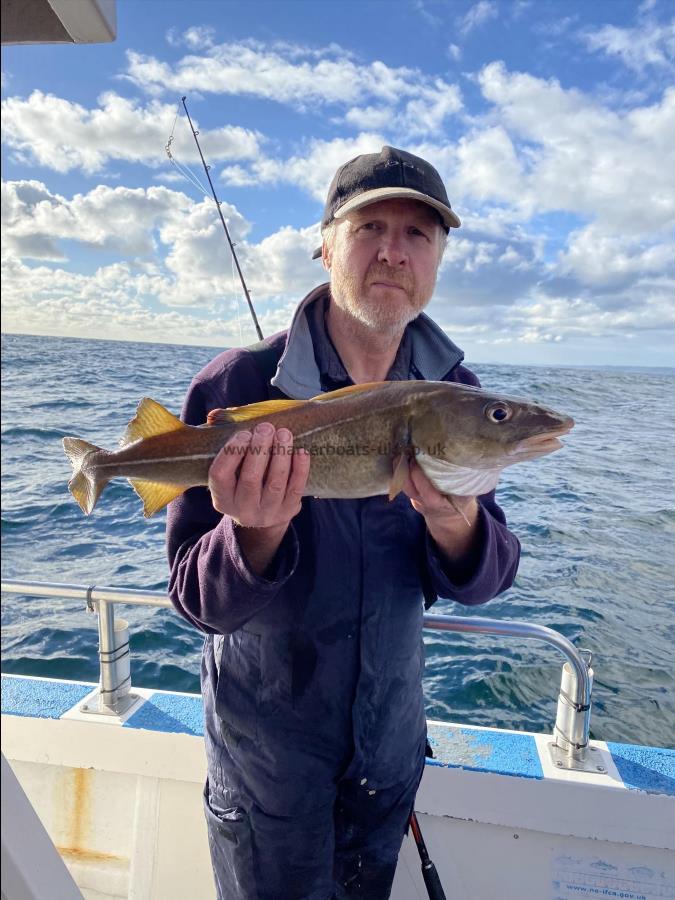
<point x="122" y="802"/>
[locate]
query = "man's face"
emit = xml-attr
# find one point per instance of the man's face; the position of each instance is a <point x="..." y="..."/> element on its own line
<point x="383" y="262"/>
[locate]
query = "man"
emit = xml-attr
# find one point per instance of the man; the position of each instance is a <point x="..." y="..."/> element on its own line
<point x="312" y="664"/>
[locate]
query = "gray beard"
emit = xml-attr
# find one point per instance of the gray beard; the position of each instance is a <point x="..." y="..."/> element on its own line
<point x="378" y="318"/>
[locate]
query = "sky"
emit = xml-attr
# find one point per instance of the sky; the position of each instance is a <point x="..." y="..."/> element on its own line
<point x="552" y="123"/>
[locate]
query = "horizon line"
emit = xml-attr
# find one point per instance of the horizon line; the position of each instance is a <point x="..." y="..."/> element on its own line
<point x="70" y="337"/>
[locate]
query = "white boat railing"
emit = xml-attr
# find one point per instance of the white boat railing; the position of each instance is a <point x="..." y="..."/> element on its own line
<point x="571" y="733"/>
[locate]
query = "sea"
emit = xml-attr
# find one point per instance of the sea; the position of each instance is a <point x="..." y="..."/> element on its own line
<point x="596" y="521"/>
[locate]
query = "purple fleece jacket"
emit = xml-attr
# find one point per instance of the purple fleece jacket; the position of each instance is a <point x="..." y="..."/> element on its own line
<point x="211" y="583"/>
<point x="313" y="672"/>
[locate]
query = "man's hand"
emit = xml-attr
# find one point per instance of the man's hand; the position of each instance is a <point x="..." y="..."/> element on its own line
<point x="258" y="480"/>
<point x="452" y="522"/>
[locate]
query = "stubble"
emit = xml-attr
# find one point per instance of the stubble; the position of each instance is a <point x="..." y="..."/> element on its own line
<point x="383" y="314"/>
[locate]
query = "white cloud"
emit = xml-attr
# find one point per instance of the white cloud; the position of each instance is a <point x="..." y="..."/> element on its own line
<point x="539" y="149"/>
<point x="369" y="117"/>
<point x="199" y="37"/>
<point x="281" y="265"/>
<point x="175" y="249"/>
<point x="488" y="166"/>
<point x="580" y="316"/>
<point x="313" y="170"/>
<point x="478" y="15"/>
<point x="114" y="300"/>
<point x="558" y="149"/>
<point x="600" y="259"/>
<point x="520" y="7"/>
<point x="111" y="302"/>
<point x="428" y="111"/>
<point x="430" y="18"/>
<point x="485" y="268"/>
<point x="34" y="220"/>
<point x="645" y="46"/>
<point x="555" y="28"/>
<point x="297" y="76"/>
<point x="62" y="135"/>
<point x="495" y="288"/>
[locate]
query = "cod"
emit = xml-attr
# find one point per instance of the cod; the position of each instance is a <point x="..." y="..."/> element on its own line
<point x="362" y="440"/>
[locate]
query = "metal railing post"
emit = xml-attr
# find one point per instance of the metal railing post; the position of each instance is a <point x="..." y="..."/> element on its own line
<point x="113" y="696"/>
<point x="572" y="728"/>
<point x="569" y="749"/>
<point x="106" y="649"/>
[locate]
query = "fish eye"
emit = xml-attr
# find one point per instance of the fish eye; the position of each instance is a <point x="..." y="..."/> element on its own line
<point x="498" y="412"/>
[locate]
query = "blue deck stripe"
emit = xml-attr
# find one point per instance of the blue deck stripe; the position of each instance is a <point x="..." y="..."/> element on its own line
<point x="173" y="713"/>
<point x="650" y="769"/>
<point x="39" y="698"/>
<point x="485" y="751"/>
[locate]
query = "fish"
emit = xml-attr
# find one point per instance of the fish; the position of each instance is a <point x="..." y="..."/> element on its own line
<point x="362" y="442"/>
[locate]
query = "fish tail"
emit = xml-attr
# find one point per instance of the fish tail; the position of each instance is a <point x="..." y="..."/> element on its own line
<point x="86" y="484"/>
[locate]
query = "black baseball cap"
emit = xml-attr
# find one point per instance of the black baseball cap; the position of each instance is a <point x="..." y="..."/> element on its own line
<point x="386" y="175"/>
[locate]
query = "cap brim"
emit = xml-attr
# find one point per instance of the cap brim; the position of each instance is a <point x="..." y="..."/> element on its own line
<point x="318" y="253"/>
<point x="450" y="220"/>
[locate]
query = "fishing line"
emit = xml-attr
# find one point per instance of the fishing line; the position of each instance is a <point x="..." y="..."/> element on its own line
<point x="190" y="176"/>
<point x="224" y="224"/>
<point x="183" y="170"/>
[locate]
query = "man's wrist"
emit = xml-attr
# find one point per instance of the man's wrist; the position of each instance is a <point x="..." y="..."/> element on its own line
<point x="455" y="532"/>
<point x="259" y="545"/>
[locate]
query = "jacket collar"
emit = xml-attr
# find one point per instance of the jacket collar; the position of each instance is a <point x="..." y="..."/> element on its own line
<point x="298" y="376"/>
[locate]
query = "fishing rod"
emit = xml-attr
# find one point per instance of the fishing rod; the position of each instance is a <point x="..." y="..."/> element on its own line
<point x="429" y="873"/>
<point x="431" y="880"/>
<point x="222" y="219"/>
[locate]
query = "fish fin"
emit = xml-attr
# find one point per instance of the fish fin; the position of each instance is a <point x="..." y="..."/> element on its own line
<point x="84" y="485"/>
<point x="400" y="476"/>
<point x="154" y="495"/>
<point x="151" y="418"/>
<point x="348" y="391"/>
<point x="238" y="414"/>
<point x="234" y="414"/>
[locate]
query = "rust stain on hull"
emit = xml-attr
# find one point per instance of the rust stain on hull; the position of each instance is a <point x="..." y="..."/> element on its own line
<point x="75" y="795"/>
<point x="80" y="818"/>
<point x="75" y="798"/>
<point x="77" y="854"/>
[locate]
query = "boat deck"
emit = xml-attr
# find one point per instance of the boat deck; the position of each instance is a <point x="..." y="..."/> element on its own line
<point x="121" y="799"/>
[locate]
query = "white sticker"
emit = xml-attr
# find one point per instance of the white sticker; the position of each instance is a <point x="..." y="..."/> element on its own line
<point x="576" y="878"/>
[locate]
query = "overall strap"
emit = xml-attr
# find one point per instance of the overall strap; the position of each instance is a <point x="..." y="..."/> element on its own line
<point x="266" y="358"/>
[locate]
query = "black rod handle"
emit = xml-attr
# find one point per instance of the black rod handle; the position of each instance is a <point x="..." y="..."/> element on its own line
<point x="433" y="882"/>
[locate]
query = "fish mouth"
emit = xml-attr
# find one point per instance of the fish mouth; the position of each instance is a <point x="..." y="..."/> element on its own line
<point x="541" y="444"/>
